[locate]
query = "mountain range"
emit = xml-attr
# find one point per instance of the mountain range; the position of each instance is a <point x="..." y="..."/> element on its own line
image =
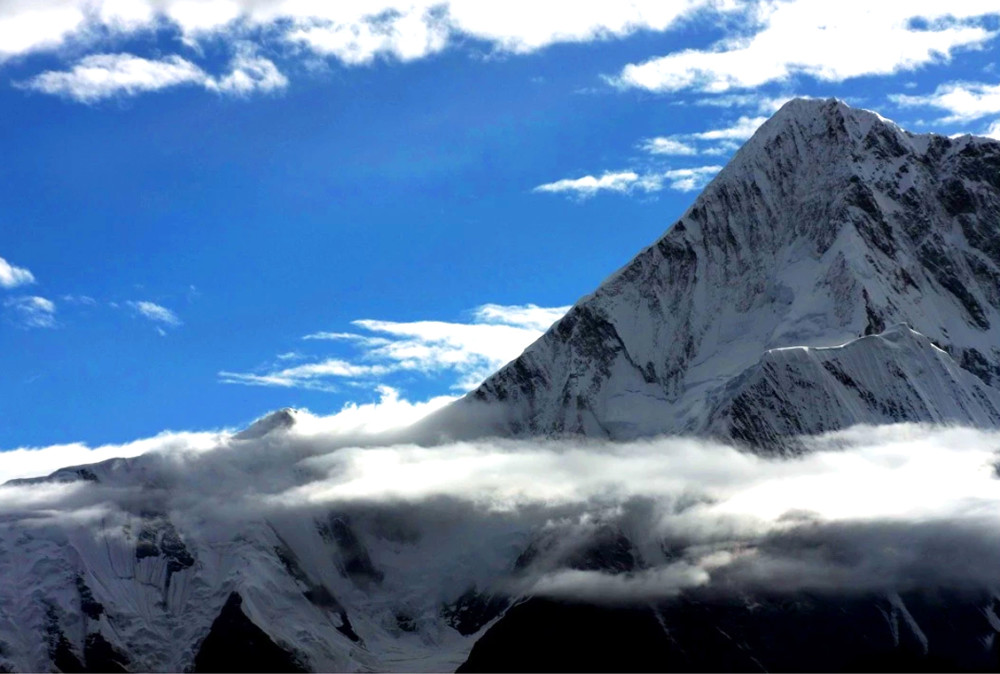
<point x="838" y="271"/>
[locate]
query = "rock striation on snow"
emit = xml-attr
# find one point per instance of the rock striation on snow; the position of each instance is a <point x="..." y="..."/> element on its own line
<point x="831" y="224"/>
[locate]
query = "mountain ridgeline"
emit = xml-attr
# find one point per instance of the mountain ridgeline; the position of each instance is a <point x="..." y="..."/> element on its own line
<point x="839" y="270"/>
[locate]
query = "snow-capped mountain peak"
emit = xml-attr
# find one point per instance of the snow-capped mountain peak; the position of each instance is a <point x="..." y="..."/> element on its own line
<point x="829" y="224"/>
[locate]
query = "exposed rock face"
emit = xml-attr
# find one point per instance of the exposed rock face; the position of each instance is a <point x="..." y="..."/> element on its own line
<point x="236" y="644"/>
<point x="829" y="225"/>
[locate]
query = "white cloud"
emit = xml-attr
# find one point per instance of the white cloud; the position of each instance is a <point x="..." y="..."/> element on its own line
<point x="26" y="462"/>
<point x="698" y="513"/>
<point x="155" y="312"/>
<point x="689" y="179"/>
<point x="308" y="376"/>
<point x="713" y="142"/>
<point x="32" y="311"/>
<point x="667" y="146"/>
<point x="371" y="420"/>
<point x="819" y="40"/>
<point x="530" y="316"/>
<point x="468" y="351"/>
<point x="11" y="276"/>
<point x="522" y="26"/>
<point x="993" y="131"/>
<point x="741" y="130"/>
<point x="627" y="182"/>
<point x="964" y="100"/>
<point x="84" y="300"/>
<point x="762" y="103"/>
<point x="588" y="186"/>
<point x="31" y="25"/>
<point x="249" y="74"/>
<point x="355" y="33"/>
<point x="102" y="76"/>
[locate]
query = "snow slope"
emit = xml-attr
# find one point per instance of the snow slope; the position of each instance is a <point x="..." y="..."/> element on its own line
<point x="831" y="223"/>
<point x="140" y="561"/>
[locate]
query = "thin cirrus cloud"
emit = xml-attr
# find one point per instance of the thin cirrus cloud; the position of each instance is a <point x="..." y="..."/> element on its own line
<point x="102" y="76"/>
<point x="12" y="276"/>
<point x="629" y="182"/>
<point x="155" y="313"/>
<point x="712" y="142"/>
<point x="963" y="101"/>
<point x="819" y="40"/>
<point x="466" y="352"/>
<point x="31" y="311"/>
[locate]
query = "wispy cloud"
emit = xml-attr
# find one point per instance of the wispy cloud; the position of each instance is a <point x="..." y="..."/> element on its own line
<point x="690" y="179"/>
<point x="627" y="182"/>
<point x="467" y="352"/>
<point x="11" y="276"/>
<point x="609" y="181"/>
<point x="248" y="74"/>
<point x="819" y="41"/>
<point x="742" y="129"/>
<point x="964" y="101"/>
<point x="30" y="311"/>
<point x="711" y="142"/>
<point x="669" y="145"/>
<point x="762" y="103"/>
<point x="102" y="76"/>
<point x="83" y="300"/>
<point x="155" y="312"/>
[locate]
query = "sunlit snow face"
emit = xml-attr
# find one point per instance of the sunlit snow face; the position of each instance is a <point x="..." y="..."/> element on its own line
<point x="862" y="509"/>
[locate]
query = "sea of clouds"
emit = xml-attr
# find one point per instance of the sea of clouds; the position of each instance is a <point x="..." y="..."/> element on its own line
<point x="869" y="509"/>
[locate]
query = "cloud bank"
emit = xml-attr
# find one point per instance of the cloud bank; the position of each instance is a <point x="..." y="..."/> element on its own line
<point x="776" y="40"/>
<point x="884" y="509"/>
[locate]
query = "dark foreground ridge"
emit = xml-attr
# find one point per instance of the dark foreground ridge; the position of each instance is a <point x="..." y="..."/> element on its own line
<point x="804" y="633"/>
<point x="235" y="644"/>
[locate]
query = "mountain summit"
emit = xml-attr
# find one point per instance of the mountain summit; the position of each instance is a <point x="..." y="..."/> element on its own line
<point x="839" y="270"/>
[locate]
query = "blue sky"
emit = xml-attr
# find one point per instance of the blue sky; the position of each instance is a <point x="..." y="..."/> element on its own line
<point x="211" y="209"/>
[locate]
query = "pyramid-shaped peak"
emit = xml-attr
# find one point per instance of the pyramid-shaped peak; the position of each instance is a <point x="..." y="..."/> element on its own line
<point x="810" y="109"/>
<point x="831" y="224"/>
<point x="830" y="117"/>
<point x="282" y="419"/>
